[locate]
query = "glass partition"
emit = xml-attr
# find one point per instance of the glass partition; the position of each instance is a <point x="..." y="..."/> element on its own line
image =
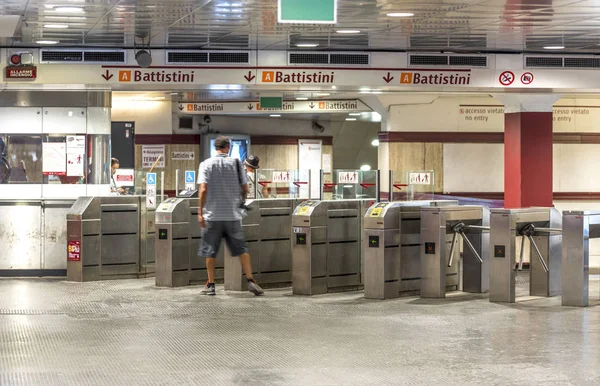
<point x="277" y="183"/>
<point x="351" y="184"/>
<point x="54" y="159"/>
<point x="412" y="185"/>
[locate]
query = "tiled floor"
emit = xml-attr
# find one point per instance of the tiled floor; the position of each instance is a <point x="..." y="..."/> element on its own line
<point x="129" y="332"/>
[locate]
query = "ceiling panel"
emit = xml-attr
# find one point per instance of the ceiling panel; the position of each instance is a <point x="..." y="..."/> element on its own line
<point x="460" y="25"/>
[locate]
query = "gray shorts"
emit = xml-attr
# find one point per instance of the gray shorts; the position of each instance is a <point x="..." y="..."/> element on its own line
<point x="215" y="231"/>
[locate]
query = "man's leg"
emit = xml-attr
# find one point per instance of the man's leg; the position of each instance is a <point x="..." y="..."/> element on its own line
<point x="210" y="269"/>
<point x="234" y="237"/>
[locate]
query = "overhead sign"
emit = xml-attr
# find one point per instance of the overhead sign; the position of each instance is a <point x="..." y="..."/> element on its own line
<point x="273" y="102"/>
<point x="307" y="11"/>
<point x="328" y="106"/>
<point x="21" y="73"/>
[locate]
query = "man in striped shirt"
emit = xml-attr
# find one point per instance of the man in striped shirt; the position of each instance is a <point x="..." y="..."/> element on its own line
<point x="223" y="191"/>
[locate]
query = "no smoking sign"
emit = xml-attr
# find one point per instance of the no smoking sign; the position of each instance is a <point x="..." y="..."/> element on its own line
<point x="507" y="78"/>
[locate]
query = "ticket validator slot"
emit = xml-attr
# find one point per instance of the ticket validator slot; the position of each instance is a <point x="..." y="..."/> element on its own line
<point x="441" y="229"/>
<point x="540" y="229"/>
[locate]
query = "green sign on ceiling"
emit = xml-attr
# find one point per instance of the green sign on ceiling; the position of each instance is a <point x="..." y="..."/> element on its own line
<point x="307" y="11"/>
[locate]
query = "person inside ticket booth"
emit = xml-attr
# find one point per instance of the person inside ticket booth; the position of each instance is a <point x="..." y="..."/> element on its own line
<point x="114" y="189"/>
<point x="251" y="164"/>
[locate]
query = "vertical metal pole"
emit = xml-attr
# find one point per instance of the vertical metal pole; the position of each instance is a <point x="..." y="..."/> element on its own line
<point x="391" y="186"/>
<point x="321" y="179"/>
<point x="537" y="251"/>
<point x="162" y="186"/>
<point x="255" y="184"/>
<point x="377" y="184"/>
<point x="177" y="181"/>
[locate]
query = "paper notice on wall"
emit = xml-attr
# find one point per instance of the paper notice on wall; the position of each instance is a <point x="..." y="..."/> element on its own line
<point x="309" y="158"/>
<point x="326" y="163"/>
<point x="152" y="153"/>
<point x="54" y="158"/>
<point x="75" y="155"/>
<point x="419" y="178"/>
<point x="75" y="164"/>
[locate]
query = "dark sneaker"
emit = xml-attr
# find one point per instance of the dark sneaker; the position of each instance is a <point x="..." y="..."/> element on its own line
<point x="255" y="288"/>
<point x="208" y="290"/>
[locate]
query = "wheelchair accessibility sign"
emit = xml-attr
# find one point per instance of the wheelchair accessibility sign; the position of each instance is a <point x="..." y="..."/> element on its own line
<point x="190" y="180"/>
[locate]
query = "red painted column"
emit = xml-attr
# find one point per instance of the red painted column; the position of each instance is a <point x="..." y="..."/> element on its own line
<point x="527" y="159"/>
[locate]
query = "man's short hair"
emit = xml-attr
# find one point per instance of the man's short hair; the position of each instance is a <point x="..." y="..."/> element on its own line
<point x="113" y="161"/>
<point x="222" y="143"/>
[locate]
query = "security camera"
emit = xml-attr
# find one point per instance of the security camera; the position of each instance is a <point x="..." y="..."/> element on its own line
<point x="207" y="119"/>
<point x="317" y="127"/>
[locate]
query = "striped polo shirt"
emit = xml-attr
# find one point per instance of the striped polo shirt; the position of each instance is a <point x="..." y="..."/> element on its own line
<point x="224" y="177"/>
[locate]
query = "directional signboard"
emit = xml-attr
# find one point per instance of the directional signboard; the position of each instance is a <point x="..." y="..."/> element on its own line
<point x="151" y="190"/>
<point x="320" y="106"/>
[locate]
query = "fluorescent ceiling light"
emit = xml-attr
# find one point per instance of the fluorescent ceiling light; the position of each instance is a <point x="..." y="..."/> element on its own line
<point x="348" y="31"/>
<point x="302" y="99"/>
<point x="322" y="94"/>
<point x="400" y="14"/>
<point x="365" y="168"/>
<point x="355" y="114"/>
<point x="351" y="119"/>
<point x="307" y="45"/>
<point x="56" y="26"/>
<point x="333" y="87"/>
<point x="68" y="9"/>
<point x="554" y="47"/>
<point x="375" y="142"/>
<point x="46" y="42"/>
<point x="275" y="115"/>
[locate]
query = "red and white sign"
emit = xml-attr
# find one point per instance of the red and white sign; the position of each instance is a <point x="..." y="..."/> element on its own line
<point x="507" y="78"/>
<point x="21" y="72"/>
<point x="527" y="78"/>
<point x="281" y="177"/>
<point x="54" y="158"/>
<point x="124" y="177"/>
<point x="347" y="177"/>
<point x="74" y="250"/>
<point x="419" y="178"/>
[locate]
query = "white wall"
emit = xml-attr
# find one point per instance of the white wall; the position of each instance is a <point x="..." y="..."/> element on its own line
<point x="150" y="117"/>
<point x="575" y="168"/>
<point x="472" y="167"/>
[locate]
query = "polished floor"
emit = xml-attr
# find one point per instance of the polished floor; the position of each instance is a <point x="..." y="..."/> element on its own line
<point x="129" y="332"/>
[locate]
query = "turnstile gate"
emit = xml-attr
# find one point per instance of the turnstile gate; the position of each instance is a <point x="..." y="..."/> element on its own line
<point x="541" y="227"/>
<point x="172" y="243"/>
<point x="440" y="257"/>
<point x="268" y="229"/>
<point x="110" y="238"/>
<point x="392" y="248"/>
<point x="326" y="246"/>
<point x="578" y="228"/>
<point x="198" y="272"/>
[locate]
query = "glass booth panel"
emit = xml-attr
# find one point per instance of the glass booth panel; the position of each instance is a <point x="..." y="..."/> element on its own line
<point x="352" y="184"/>
<point x="277" y="183"/>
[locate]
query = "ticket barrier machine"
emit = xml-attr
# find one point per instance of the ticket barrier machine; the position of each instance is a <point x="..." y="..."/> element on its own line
<point x="268" y="231"/>
<point x="110" y="238"/>
<point x="542" y="227"/>
<point x="578" y="228"/>
<point x="172" y="244"/>
<point x="326" y="246"/>
<point x="198" y="272"/>
<point x="392" y="247"/>
<point x="440" y="268"/>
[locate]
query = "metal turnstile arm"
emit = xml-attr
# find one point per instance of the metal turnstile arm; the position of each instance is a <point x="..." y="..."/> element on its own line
<point x="458" y="230"/>
<point x="537" y="251"/>
<point x="452" y="248"/>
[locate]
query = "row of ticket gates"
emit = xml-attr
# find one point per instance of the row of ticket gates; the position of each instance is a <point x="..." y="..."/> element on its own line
<point x="389" y="249"/>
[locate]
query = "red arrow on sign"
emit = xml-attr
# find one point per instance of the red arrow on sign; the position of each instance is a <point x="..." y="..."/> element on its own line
<point x="300" y="183"/>
<point x="367" y="185"/>
<point x="264" y="183"/>
<point x="107" y="76"/>
<point x="399" y="186"/>
<point x="249" y="77"/>
<point x="329" y="185"/>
